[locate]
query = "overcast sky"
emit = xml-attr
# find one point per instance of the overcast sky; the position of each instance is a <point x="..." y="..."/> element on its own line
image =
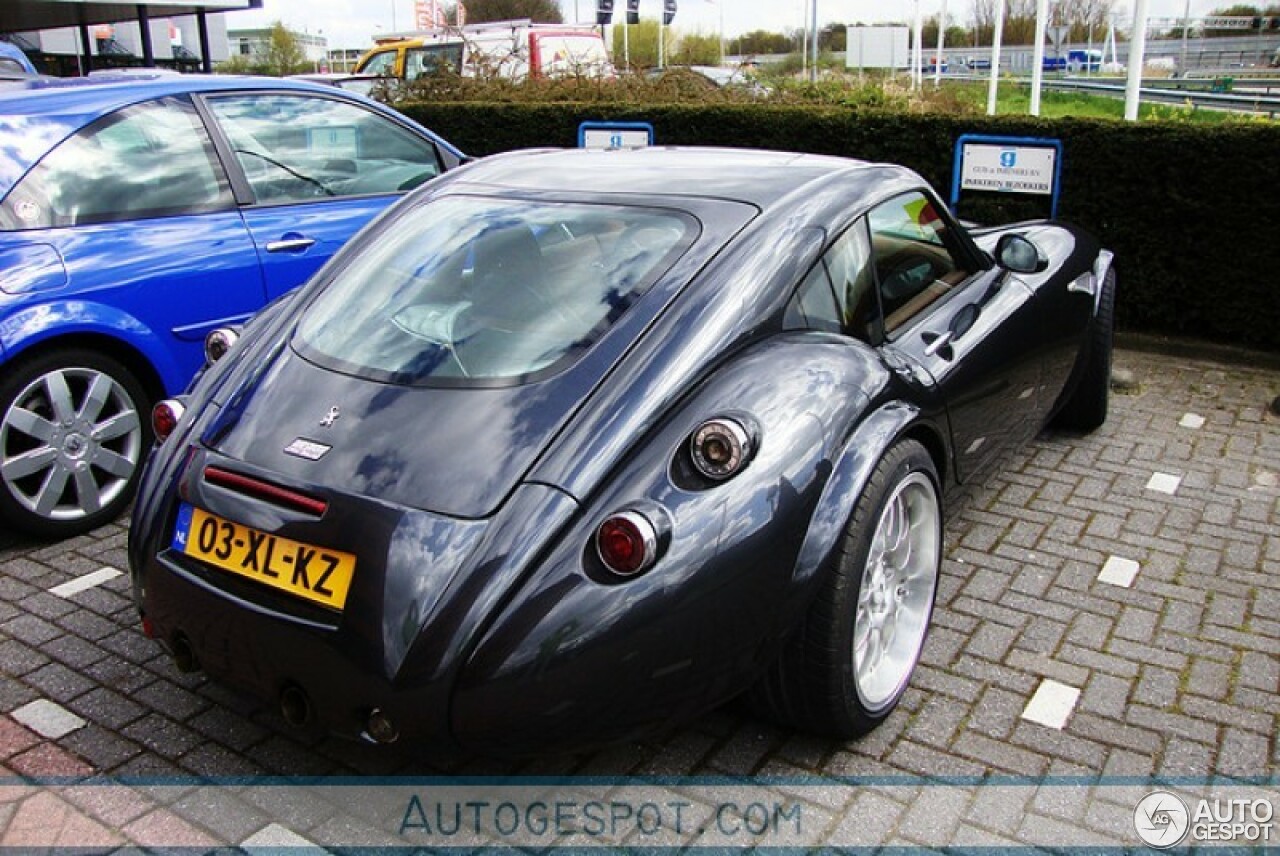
<point x="354" y="23"/>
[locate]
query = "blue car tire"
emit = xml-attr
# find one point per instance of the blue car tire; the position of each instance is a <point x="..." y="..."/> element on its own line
<point x="74" y="431"/>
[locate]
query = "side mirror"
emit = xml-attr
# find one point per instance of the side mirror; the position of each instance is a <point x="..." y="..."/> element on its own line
<point x="1016" y="253"/>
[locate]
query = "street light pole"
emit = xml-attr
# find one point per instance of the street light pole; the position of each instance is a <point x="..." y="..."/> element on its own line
<point x="997" y="36"/>
<point x="1037" y="56"/>
<point x="917" y="62"/>
<point x="1186" y="25"/>
<point x="813" y="66"/>
<point x="942" y="35"/>
<point x="1137" y="60"/>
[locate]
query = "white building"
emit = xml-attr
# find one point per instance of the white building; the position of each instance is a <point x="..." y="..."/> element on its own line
<point x="73" y="36"/>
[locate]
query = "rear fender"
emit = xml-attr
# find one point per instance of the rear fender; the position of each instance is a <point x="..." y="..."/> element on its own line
<point x="708" y="617"/>
<point x="46" y="322"/>
<point x="849" y="476"/>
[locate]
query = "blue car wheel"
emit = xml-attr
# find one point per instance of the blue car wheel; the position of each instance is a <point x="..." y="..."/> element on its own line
<point x="73" y="433"/>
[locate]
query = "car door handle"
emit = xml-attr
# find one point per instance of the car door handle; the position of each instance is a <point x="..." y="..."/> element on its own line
<point x="940" y="341"/>
<point x="289" y="245"/>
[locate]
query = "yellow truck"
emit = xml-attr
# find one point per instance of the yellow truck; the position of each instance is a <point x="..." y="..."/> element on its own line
<point x="510" y="49"/>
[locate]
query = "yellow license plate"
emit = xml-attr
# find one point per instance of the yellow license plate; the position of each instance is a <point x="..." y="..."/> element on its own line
<point x="313" y="573"/>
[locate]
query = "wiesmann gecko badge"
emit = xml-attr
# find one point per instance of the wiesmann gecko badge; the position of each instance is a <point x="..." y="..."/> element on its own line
<point x="330" y="417"/>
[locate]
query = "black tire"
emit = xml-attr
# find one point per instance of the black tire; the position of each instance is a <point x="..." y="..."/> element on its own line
<point x="813" y="685"/>
<point x="94" y="448"/>
<point x="1086" y="409"/>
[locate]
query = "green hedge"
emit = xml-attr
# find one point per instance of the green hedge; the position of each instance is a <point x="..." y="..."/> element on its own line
<point x="1192" y="211"/>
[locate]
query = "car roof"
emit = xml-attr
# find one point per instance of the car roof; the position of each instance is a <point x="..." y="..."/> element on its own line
<point x="10" y="51"/>
<point x="86" y="98"/>
<point x="754" y="176"/>
<point x="37" y="114"/>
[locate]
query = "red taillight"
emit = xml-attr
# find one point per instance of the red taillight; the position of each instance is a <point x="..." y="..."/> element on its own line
<point x="164" y="418"/>
<point x="627" y="543"/>
<point x="148" y="629"/>
<point x="265" y="490"/>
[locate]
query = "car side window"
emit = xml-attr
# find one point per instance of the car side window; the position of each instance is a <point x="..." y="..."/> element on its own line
<point x="383" y="63"/>
<point x="915" y="261"/>
<point x="849" y="265"/>
<point x="431" y="59"/>
<point x="838" y="295"/>
<point x="814" y="305"/>
<point x="296" y="148"/>
<point x="149" y="160"/>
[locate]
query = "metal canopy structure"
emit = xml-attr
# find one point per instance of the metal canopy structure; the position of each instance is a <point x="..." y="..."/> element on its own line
<point x="22" y="15"/>
<point x="17" y="16"/>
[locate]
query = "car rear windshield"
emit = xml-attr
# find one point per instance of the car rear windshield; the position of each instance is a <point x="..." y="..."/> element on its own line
<point x="473" y="290"/>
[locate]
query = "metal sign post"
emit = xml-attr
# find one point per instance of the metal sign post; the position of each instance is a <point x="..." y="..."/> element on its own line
<point x="1007" y="165"/>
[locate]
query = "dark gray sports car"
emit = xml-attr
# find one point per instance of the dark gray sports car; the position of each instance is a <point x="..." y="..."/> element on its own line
<point x="571" y="445"/>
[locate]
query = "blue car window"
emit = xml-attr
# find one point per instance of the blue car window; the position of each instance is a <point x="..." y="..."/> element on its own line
<point x="149" y="160"/>
<point x="295" y="148"/>
<point x="475" y="290"/>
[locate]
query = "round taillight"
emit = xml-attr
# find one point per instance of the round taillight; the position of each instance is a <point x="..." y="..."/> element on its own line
<point x="164" y="418"/>
<point x="720" y="448"/>
<point x="627" y="543"/>
<point x="218" y="342"/>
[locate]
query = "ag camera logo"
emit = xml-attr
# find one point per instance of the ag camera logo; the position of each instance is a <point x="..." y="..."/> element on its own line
<point x="1161" y="819"/>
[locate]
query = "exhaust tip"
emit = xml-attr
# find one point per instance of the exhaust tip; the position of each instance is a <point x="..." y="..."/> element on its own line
<point x="381" y="728"/>
<point x="295" y="706"/>
<point x="184" y="657"/>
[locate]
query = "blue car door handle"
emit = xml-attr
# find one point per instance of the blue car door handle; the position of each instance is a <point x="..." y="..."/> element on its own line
<point x="289" y="245"/>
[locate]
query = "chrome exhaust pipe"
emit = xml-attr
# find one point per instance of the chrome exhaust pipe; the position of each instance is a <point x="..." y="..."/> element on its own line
<point x="295" y="706"/>
<point x="184" y="658"/>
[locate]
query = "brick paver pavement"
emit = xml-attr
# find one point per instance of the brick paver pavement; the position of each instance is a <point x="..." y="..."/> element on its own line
<point x="1168" y="666"/>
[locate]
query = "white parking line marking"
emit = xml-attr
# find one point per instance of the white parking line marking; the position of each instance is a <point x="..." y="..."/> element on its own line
<point x="274" y="835"/>
<point x="1164" y="483"/>
<point x="1118" y="572"/>
<point x="48" y="719"/>
<point x="85" y="582"/>
<point x="1052" y="704"/>
<point x="1194" y="421"/>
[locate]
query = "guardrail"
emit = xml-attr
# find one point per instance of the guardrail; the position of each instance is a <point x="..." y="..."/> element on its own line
<point x="1263" y="103"/>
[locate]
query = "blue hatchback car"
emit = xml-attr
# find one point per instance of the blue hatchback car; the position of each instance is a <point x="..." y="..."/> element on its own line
<point x="137" y="213"/>
<point x="14" y="61"/>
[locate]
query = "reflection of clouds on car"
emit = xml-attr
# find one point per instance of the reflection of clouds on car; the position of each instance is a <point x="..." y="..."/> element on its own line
<point x="664" y="408"/>
<point x="138" y="211"/>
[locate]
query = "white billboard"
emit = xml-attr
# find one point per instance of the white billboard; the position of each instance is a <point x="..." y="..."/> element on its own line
<point x="878" y="47"/>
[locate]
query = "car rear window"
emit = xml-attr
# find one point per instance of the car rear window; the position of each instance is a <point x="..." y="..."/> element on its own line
<point x="472" y="290"/>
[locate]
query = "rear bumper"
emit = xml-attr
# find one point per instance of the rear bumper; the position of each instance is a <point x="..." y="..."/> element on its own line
<point x="239" y="643"/>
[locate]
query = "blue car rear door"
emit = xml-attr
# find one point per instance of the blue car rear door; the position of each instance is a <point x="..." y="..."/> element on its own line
<point x="137" y="235"/>
<point x="313" y="170"/>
